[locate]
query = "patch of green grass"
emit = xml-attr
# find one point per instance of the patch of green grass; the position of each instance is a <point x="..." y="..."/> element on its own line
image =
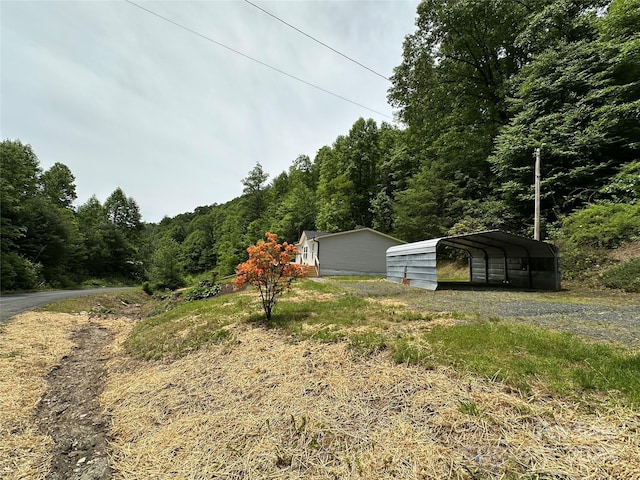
<point x="316" y="286"/>
<point x="515" y="353"/>
<point x="519" y="354"/>
<point x="326" y="334"/>
<point x="406" y="350"/>
<point x="186" y="327"/>
<point x="341" y="311"/>
<point x="111" y="302"/>
<point x="453" y="271"/>
<point x="470" y="408"/>
<point x="368" y="343"/>
<point x="106" y="282"/>
<point x="354" y="278"/>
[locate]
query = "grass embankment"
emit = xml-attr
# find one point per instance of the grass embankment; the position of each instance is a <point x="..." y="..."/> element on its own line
<point x="342" y="385"/>
<point x="520" y="355"/>
<point x="350" y="385"/>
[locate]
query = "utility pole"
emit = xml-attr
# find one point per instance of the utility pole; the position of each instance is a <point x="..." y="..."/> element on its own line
<point x="536" y="214"/>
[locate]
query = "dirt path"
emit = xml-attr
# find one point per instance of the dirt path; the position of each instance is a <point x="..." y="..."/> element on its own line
<point x="70" y="412"/>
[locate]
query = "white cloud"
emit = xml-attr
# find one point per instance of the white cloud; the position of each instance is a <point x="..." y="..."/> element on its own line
<point x="124" y="98"/>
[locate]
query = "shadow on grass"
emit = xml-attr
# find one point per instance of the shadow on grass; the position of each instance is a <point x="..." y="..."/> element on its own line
<point x="282" y="321"/>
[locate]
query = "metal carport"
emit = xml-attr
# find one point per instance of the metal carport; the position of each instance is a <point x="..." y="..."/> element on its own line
<point x="495" y="258"/>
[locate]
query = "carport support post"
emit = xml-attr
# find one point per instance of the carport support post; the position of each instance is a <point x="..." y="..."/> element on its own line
<point x="536" y="214"/>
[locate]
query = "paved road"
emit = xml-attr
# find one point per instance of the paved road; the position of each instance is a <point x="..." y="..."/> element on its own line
<point x="11" y="305"/>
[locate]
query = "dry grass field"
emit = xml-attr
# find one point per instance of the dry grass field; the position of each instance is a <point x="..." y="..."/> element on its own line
<point x="262" y="402"/>
<point x="30" y="346"/>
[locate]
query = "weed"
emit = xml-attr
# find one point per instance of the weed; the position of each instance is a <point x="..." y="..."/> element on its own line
<point x="102" y="310"/>
<point x="470" y="408"/>
<point x="520" y="356"/>
<point x="114" y="302"/>
<point x="328" y="334"/>
<point x="185" y="328"/>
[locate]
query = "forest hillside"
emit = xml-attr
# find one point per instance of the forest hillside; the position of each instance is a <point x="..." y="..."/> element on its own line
<point x="480" y="86"/>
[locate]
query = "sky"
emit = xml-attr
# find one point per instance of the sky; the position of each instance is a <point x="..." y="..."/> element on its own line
<point x="127" y="99"/>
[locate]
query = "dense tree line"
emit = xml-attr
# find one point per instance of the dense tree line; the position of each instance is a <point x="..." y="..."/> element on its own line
<point x="46" y="242"/>
<point x="481" y="84"/>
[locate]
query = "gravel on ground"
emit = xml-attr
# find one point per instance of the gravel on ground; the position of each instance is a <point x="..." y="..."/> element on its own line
<point x="613" y="318"/>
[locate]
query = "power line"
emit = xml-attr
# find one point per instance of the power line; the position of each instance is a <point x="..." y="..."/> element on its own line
<point x="316" y="40"/>
<point x="254" y="59"/>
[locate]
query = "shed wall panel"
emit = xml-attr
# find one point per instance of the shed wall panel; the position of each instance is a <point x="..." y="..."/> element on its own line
<point x="418" y="270"/>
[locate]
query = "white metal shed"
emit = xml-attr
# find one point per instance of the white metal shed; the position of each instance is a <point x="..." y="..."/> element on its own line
<point x="495" y="258"/>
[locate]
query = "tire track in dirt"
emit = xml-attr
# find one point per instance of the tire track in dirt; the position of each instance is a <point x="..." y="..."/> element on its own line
<point x="71" y="414"/>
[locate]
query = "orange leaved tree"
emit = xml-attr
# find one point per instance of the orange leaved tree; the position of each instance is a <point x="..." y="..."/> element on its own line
<point x="269" y="269"/>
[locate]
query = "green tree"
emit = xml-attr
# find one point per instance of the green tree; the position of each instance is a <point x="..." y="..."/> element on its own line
<point x="53" y="241"/>
<point x="254" y="193"/>
<point x="382" y="211"/>
<point x="198" y="248"/>
<point x="624" y="187"/>
<point x="362" y="155"/>
<point x="19" y="173"/>
<point x="230" y="247"/>
<point x="293" y="206"/>
<point x="349" y="178"/>
<point x="334" y="187"/>
<point x="450" y="90"/>
<point x="423" y="210"/>
<point x="124" y="213"/>
<point x="124" y="234"/>
<point x="580" y="99"/>
<point x="166" y="268"/>
<point x="105" y="248"/>
<point x="58" y="186"/>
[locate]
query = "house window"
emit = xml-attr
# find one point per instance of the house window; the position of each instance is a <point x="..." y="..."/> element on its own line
<point x="305" y="250"/>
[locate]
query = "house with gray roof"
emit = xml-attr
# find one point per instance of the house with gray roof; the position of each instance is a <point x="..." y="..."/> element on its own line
<point x="355" y="252"/>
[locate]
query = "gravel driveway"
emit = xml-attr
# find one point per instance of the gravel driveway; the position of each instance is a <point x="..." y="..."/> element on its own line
<point x="611" y="317"/>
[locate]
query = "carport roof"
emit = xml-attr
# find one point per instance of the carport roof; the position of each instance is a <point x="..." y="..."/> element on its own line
<point x="490" y="243"/>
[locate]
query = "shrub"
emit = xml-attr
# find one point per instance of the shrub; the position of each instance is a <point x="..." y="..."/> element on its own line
<point x="269" y="269"/>
<point x="625" y="276"/>
<point x="576" y="261"/>
<point x="606" y="225"/>
<point x="146" y="288"/>
<point x="18" y="273"/>
<point x="205" y="289"/>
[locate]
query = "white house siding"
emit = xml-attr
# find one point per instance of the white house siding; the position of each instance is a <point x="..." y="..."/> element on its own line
<point x="307" y="252"/>
<point x="307" y="248"/>
<point x="358" y="252"/>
